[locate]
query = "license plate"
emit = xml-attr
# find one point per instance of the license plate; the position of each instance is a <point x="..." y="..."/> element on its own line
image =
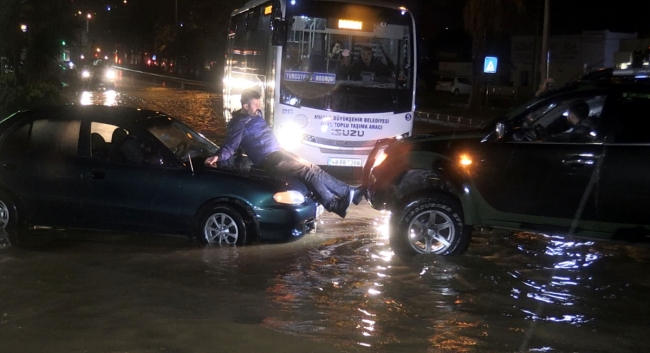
<point x="344" y="162"/>
<point x="319" y="211"/>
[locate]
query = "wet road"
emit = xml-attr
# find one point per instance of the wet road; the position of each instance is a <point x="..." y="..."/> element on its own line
<point x="337" y="290"/>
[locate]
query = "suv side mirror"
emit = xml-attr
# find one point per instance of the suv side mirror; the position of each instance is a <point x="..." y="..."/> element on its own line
<point x="500" y="130"/>
<point x="279" y="32"/>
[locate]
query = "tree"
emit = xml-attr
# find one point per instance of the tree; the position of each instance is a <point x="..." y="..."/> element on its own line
<point x="33" y="50"/>
<point x="481" y="19"/>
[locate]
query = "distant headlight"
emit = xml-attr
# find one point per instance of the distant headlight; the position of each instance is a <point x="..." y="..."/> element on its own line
<point x="110" y="74"/>
<point x="290" y="197"/>
<point x="85" y="74"/>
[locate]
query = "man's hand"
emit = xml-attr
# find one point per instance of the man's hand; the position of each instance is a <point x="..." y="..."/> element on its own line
<point x="212" y="161"/>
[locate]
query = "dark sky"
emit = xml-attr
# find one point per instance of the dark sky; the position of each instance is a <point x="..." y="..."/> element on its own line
<point x="571" y="16"/>
<point x="566" y="16"/>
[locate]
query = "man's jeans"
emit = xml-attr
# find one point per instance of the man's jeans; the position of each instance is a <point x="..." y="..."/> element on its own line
<point x="325" y="187"/>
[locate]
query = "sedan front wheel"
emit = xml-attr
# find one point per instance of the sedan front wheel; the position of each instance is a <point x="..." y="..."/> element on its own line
<point x="223" y="225"/>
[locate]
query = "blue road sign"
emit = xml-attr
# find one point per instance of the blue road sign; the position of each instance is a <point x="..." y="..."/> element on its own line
<point x="490" y="65"/>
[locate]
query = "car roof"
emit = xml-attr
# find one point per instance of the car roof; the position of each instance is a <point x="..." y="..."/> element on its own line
<point x="86" y="112"/>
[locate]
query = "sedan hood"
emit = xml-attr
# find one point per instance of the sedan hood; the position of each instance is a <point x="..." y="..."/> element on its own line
<point x="278" y="182"/>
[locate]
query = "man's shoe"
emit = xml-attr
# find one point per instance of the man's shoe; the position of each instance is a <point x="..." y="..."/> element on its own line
<point x="340" y="205"/>
<point x="358" y="195"/>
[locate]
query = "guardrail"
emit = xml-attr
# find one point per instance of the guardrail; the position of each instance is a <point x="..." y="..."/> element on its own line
<point x="428" y="117"/>
<point x="436" y="118"/>
<point x="181" y="81"/>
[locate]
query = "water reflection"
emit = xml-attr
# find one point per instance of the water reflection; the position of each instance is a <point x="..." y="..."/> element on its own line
<point x="100" y="97"/>
<point x="511" y="289"/>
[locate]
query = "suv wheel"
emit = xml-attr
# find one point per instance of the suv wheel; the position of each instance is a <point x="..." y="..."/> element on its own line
<point x="430" y="225"/>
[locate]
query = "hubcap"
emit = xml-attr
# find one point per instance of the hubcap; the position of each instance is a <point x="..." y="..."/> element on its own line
<point x="431" y="232"/>
<point x="4" y="215"/>
<point x="220" y="228"/>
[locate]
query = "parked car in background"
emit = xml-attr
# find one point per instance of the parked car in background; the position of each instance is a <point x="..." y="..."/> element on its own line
<point x="535" y="169"/>
<point x="454" y="85"/>
<point x="127" y="169"/>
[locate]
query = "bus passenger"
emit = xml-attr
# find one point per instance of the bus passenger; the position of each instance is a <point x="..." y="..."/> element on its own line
<point x="369" y="63"/>
<point x="249" y="129"/>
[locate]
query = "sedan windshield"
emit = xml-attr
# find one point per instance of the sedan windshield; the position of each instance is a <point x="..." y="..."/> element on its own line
<point x="184" y="142"/>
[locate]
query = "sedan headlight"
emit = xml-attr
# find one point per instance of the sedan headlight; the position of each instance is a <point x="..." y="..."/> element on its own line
<point x="289" y="197"/>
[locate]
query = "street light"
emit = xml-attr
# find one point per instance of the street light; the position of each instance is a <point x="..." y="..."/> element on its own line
<point x="88" y="17"/>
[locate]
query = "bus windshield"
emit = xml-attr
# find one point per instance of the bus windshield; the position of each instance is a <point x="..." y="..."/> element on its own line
<point x="336" y="63"/>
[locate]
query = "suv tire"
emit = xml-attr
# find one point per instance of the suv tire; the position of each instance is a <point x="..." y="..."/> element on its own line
<point x="437" y="225"/>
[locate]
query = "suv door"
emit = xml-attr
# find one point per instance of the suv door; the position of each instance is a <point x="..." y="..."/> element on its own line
<point x="625" y="191"/>
<point x="553" y="175"/>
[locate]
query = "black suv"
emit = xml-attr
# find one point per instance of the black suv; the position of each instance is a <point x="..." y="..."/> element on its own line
<point x="575" y="161"/>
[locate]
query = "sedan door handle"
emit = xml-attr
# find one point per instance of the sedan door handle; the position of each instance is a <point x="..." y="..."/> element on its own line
<point x="97" y="175"/>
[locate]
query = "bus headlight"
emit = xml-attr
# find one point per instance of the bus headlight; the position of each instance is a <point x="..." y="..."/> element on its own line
<point x="289" y="136"/>
<point x="290" y="197"/>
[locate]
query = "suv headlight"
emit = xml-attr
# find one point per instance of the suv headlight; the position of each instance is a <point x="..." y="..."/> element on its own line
<point x="290" y="197"/>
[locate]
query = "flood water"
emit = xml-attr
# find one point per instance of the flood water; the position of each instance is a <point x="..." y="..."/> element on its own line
<point x="337" y="290"/>
<point x="340" y="289"/>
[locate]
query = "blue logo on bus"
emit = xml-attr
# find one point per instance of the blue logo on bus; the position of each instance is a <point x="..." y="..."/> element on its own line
<point x="408" y="116"/>
<point x="305" y="76"/>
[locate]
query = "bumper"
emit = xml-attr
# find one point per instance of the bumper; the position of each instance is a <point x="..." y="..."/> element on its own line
<point x="289" y="222"/>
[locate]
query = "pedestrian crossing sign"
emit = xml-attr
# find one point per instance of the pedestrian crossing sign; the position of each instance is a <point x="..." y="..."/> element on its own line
<point x="490" y="65"/>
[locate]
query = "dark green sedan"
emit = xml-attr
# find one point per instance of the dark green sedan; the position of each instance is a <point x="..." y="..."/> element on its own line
<point x="127" y="169"/>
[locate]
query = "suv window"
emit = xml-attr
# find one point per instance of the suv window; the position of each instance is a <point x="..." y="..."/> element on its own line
<point x="632" y="124"/>
<point x="552" y="121"/>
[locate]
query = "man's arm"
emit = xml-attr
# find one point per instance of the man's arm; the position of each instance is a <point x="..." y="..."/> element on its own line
<point x="233" y="139"/>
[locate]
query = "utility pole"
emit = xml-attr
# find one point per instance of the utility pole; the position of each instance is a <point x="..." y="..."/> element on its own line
<point x="543" y="64"/>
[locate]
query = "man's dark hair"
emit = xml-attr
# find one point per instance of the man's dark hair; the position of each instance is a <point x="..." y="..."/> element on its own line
<point x="580" y="108"/>
<point x="249" y="94"/>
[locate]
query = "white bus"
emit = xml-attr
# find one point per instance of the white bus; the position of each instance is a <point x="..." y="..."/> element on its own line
<point x="320" y="104"/>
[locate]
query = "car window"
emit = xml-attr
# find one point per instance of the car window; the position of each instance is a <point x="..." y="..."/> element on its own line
<point x="111" y="143"/>
<point x="633" y="122"/>
<point x="181" y="140"/>
<point x="552" y="121"/>
<point x="44" y="137"/>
